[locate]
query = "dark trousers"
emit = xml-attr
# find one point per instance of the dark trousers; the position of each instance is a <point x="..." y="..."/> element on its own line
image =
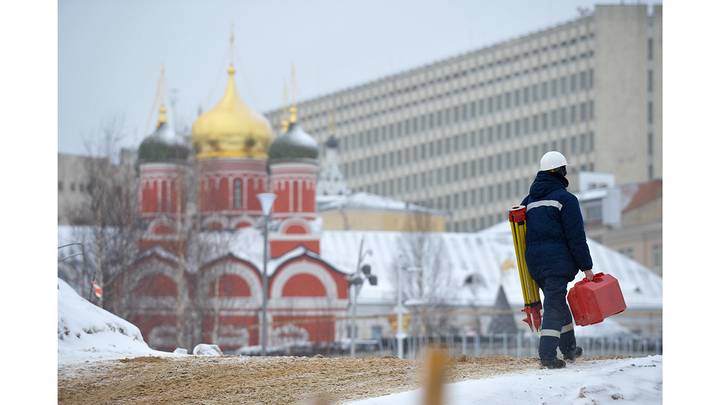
<point x="557" y="324"/>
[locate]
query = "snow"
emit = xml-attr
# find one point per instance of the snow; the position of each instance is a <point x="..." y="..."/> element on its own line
<point x="487" y="256"/>
<point x="88" y="332"/>
<point x="362" y="200"/>
<point x="626" y="381"/>
<point x="204" y="349"/>
<point x="607" y="328"/>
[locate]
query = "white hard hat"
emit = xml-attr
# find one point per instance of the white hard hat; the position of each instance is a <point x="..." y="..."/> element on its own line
<point x="552" y="160"/>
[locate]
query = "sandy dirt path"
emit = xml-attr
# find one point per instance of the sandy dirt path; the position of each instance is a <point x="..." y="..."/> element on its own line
<point x="253" y="380"/>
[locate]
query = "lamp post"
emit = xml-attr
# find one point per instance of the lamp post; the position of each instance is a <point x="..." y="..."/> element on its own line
<point x="362" y="272"/>
<point x="84" y="258"/>
<point x="266" y="202"/>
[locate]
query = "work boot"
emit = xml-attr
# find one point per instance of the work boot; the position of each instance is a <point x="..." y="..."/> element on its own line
<point x="552" y="363"/>
<point x="573" y="354"/>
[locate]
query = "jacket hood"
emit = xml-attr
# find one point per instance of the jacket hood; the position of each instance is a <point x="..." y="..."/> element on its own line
<point x="545" y="183"/>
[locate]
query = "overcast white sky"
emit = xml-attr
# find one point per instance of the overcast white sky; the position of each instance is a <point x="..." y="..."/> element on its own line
<point x="110" y="52"/>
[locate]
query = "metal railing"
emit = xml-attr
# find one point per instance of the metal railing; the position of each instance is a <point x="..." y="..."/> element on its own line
<point x="518" y="345"/>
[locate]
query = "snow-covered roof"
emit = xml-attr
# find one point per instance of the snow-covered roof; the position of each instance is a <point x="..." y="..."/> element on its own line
<point x="486" y="257"/>
<point x="362" y="200"/>
<point x="593" y="194"/>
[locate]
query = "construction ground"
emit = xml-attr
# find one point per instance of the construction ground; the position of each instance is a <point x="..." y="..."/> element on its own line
<point x="257" y="380"/>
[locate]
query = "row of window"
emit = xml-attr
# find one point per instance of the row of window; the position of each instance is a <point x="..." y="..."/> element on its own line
<point x="507" y="191"/>
<point x="655" y="254"/>
<point x="81" y="187"/>
<point x="477" y="223"/>
<point x="477" y="108"/>
<point x="456" y="201"/>
<point x="469" y="140"/>
<point x="473" y="70"/>
<point x="213" y="188"/>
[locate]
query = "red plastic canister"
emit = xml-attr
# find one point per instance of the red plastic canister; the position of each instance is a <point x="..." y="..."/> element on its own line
<point x="593" y="301"/>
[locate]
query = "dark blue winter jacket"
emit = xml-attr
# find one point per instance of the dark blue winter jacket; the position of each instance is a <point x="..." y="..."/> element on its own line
<point x="555" y="238"/>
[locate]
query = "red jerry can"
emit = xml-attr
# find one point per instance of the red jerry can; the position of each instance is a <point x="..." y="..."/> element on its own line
<point x="593" y="301"/>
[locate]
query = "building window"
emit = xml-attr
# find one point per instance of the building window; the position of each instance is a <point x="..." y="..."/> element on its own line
<point x="72" y="186"/>
<point x="60" y="186"/>
<point x="650" y="81"/>
<point x="650" y="49"/>
<point x="237" y="194"/>
<point x="657" y="255"/>
<point x="650" y="143"/>
<point x="593" y="212"/>
<point x="650" y="112"/>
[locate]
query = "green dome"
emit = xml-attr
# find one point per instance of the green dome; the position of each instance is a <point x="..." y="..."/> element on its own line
<point x="162" y="147"/>
<point x="295" y="144"/>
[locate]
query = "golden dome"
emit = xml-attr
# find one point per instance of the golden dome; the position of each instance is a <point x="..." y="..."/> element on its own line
<point x="231" y="128"/>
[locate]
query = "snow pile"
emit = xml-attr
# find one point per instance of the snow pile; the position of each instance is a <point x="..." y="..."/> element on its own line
<point x="207" y="350"/>
<point x="88" y="332"/>
<point x="636" y="381"/>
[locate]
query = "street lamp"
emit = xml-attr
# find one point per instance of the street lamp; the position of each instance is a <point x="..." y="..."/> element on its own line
<point x="84" y="258"/>
<point x="266" y="202"/>
<point x="400" y="309"/>
<point x="362" y="272"/>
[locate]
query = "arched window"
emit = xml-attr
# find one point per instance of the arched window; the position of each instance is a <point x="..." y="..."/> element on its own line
<point x="163" y="197"/>
<point x="237" y="194"/>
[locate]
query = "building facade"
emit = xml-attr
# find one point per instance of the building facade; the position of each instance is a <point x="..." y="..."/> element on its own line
<point x="465" y="134"/>
<point x="76" y="174"/>
<point x="627" y="218"/>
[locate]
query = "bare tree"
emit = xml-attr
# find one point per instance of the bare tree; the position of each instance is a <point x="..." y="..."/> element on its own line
<point x="423" y="259"/>
<point x="111" y="206"/>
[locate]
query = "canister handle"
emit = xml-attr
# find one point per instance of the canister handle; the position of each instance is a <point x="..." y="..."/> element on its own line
<point x="597" y="277"/>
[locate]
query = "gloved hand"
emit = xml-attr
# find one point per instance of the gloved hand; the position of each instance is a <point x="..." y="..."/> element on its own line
<point x="588" y="275"/>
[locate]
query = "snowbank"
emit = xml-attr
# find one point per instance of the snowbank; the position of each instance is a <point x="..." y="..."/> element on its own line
<point x="636" y="381"/>
<point x="88" y="332"/>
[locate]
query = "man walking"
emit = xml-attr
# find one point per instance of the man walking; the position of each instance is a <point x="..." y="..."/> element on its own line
<point x="556" y="250"/>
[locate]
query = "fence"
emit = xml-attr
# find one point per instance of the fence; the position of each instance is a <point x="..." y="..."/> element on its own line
<point x="518" y="345"/>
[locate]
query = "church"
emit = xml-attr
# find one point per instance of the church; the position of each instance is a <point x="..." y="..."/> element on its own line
<point x="194" y="202"/>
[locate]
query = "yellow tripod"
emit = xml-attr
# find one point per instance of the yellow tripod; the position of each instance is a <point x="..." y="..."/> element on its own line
<point x="530" y="290"/>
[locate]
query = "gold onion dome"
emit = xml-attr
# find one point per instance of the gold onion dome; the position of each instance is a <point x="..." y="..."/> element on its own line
<point x="231" y="128"/>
